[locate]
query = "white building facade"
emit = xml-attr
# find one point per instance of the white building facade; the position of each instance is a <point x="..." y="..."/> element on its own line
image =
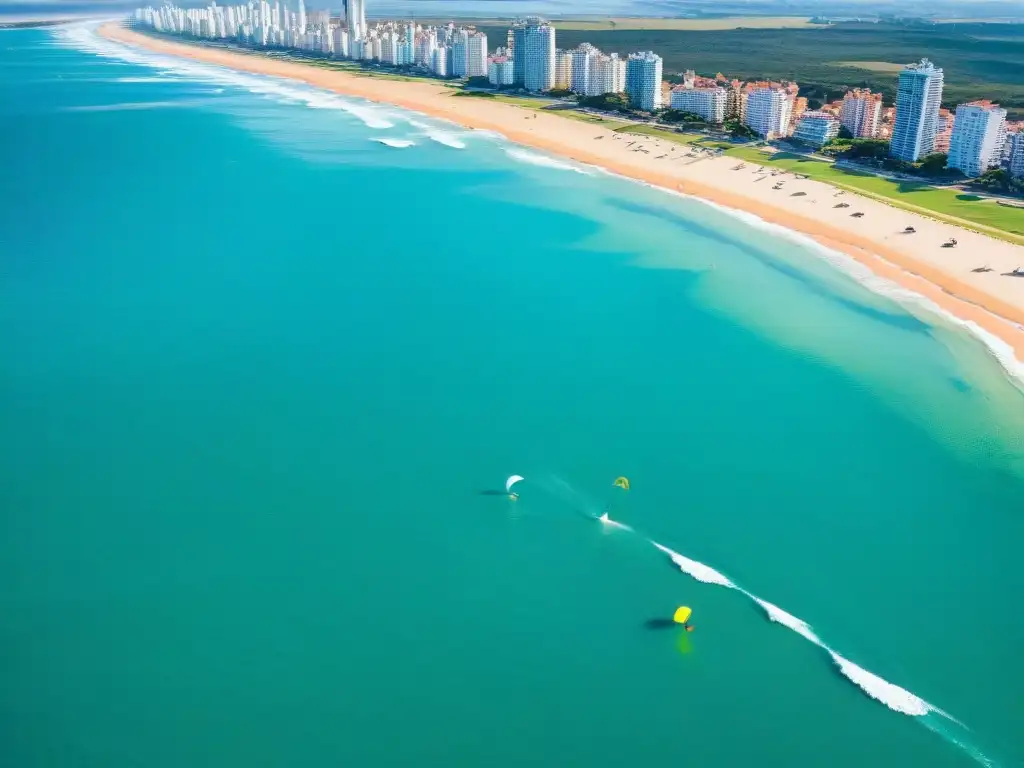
<point x="768" y="111"/>
<point x="476" y="54"/>
<point x="539" y="57"/>
<point x="643" y="81"/>
<point x="563" y="70"/>
<point x="861" y="113"/>
<point x="816" y="128"/>
<point x="918" y="97"/>
<point x="976" y="143"/>
<point x="500" y="71"/>
<point x="709" y="103"/>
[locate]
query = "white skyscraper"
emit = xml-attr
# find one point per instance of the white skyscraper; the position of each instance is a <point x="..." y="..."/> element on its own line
<point x="768" y="110"/>
<point x="302" y="17"/>
<point x="918" y="97"/>
<point x="538" y="57"/>
<point x="643" y="81"/>
<point x="581" y="58"/>
<point x="460" y="50"/>
<point x="979" y="132"/>
<point x="355" y="17"/>
<point x="476" y="54"/>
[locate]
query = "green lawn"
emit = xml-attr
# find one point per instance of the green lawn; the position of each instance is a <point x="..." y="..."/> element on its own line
<point x="950" y="205"/>
<point x="518" y="101"/>
<point x="586" y="117"/>
<point x="661" y="133"/>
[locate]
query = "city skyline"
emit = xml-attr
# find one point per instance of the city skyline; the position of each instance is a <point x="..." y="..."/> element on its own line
<point x="916" y="126"/>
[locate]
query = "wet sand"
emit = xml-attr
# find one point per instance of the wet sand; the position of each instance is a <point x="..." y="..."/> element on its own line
<point x="994" y="299"/>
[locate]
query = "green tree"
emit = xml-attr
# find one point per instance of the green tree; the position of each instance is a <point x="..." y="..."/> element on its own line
<point x="676" y="116"/>
<point x="738" y="130"/>
<point x="934" y="164"/>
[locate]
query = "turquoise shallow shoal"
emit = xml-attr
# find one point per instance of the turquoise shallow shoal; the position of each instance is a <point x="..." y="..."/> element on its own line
<point x="259" y="366"/>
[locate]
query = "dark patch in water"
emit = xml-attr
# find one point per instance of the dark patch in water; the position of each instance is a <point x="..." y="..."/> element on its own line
<point x="815" y="286"/>
<point x="660" y="624"/>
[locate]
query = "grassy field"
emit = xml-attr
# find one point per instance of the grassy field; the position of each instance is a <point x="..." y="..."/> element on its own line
<point x="726" y="22"/>
<point x="518" y="101"/>
<point x="585" y="117"/>
<point x="888" y="67"/>
<point x="826" y="60"/>
<point x="661" y="133"/>
<point x="612" y="23"/>
<point x="950" y="205"/>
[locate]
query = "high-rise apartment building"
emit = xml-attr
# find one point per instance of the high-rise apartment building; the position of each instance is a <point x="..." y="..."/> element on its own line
<point x="861" y="113"/>
<point x="1015" y="154"/>
<point x="706" y="101"/>
<point x="563" y="70"/>
<point x="643" y="80"/>
<point x="581" y="57"/>
<point x="355" y="17"/>
<point x="476" y="54"/>
<point x="918" y="97"/>
<point x="768" y="109"/>
<point x="976" y="143"/>
<point x="499" y="71"/>
<point x="538" y="56"/>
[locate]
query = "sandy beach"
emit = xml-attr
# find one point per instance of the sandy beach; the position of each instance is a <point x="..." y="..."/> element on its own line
<point x="993" y="299"/>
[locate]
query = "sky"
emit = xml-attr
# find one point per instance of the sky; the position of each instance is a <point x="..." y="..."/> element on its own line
<point x="507" y="8"/>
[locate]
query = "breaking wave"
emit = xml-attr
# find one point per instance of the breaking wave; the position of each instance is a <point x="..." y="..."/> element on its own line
<point x="895" y="698"/>
<point x="396" y="143"/>
<point x="891" y="695"/>
<point x="699" y="571"/>
<point x="440" y="136"/>
<point x="532" y="158"/>
<point x="780" y="616"/>
<point x="998" y="348"/>
<point x="83" y="37"/>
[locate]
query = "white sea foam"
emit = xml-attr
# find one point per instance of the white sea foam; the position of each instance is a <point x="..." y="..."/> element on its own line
<point x="894" y="697"/>
<point x="780" y="616"/>
<point x="447" y="139"/>
<point x="131" y="106"/>
<point x="439" y="135"/>
<point x="149" y="80"/>
<point x="881" y="690"/>
<point x="699" y="571"/>
<point x="533" y="158"/>
<point x="84" y="37"/>
<point x="613" y="523"/>
<point x="396" y="143"/>
<point x="999" y="349"/>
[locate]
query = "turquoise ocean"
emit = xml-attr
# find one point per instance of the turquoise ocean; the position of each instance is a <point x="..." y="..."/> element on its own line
<point x="266" y="350"/>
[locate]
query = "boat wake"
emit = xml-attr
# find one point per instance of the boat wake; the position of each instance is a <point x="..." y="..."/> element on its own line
<point x="613" y="523"/>
<point x="895" y="698"/>
<point x="892" y="696"/>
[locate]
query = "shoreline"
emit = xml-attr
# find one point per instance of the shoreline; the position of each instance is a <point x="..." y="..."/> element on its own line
<point x="992" y="301"/>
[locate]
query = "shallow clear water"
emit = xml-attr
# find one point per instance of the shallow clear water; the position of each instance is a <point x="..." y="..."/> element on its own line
<point x="259" y="366"/>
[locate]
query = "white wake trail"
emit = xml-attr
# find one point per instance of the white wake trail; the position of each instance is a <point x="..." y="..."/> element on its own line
<point x="613" y="523"/>
<point x="896" y="698"/>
